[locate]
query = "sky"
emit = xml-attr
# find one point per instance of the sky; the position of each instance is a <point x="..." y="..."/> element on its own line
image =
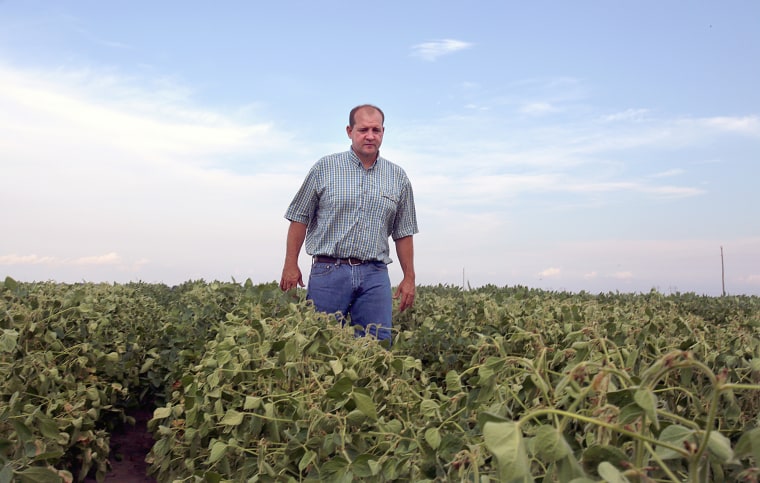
<point x="590" y="146"/>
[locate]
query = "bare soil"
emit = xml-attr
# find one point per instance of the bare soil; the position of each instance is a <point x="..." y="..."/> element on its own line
<point x="129" y="447"/>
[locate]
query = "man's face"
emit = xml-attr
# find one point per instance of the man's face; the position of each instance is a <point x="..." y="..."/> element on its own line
<point x="367" y="133"/>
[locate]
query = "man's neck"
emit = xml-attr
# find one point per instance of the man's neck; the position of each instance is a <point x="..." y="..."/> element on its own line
<point x="367" y="163"/>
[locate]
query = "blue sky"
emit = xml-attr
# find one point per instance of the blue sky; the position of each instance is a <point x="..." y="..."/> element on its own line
<point x="590" y="145"/>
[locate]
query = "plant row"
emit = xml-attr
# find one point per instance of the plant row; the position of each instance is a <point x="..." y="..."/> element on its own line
<point x="492" y="384"/>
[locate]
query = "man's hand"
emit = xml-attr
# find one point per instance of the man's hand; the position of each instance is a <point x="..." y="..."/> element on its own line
<point x="291" y="277"/>
<point x="291" y="274"/>
<point x="405" y="292"/>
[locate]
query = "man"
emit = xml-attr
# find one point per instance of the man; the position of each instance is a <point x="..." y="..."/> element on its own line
<point x="348" y="207"/>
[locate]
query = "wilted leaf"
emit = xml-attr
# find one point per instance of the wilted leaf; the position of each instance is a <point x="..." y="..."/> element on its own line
<point x="433" y="437"/>
<point x="147" y="365"/>
<point x="218" y="449"/>
<point x="24" y="433"/>
<point x="232" y="418"/>
<point x="8" y="340"/>
<point x="453" y="384"/>
<point x="647" y="401"/>
<point x="674" y="435"/>
<point x="610" y="473"/>
<point x="428" y="408"/>
<point x="365" y="404"/>
<point x="549" y="444"/>
<point x="503" y="438"/>
<point x="48" y="426"/>
<point x="342" y="387"/>
<point x="252" y="402"/>
<point x="720" y="447"/>
<point x="38" y="474"/>
<point x="336" y="366"/>
<point x="162" y="413"/>
<point x="365" y="466"/>
<point x="749" y="445"/>
<point x="306" y="459"/>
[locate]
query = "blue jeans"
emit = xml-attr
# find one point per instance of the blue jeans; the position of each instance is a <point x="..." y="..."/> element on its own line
<point x="359" y="292"/>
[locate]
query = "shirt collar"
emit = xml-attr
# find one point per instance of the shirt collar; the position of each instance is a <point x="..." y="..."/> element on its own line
<point x="358" y="162"/>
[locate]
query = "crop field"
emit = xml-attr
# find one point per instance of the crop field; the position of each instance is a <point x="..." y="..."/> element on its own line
<point x="507" y="384"/>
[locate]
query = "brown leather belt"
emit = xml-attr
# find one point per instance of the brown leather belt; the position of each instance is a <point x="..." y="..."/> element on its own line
<point x="338" y="261"/>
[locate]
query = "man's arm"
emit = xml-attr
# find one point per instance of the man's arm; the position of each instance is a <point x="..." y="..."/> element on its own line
<point x="291" y="274"/>
<point x="406" y="289"/>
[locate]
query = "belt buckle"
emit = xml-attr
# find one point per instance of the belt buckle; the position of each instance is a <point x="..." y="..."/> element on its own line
<point x="353" y="264"/>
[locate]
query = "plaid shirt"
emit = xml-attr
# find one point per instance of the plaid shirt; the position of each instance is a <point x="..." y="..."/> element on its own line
<point x="350" y="211"/>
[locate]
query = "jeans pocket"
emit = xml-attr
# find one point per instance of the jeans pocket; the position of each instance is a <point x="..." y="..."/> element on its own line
<point x="322" y="269"/>
<point x="379" y="267"/>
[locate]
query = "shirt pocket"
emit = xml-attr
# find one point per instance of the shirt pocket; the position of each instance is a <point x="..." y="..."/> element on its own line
<point x="389" y="201"/>
<point x="391" y="197"/>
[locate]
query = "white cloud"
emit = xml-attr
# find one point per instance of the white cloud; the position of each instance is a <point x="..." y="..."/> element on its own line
<point x="627" y="115"/>
<point x="623" y="275"/>
<point x="14" y="259"/>
<point x="431" y="51"/>
<point x="552" y="272"/>
<point x="538" y="108"/>
<point x="107" y="110"/>
<point x="668" y="173"/>
<point x="33" y="259"/>
<point x="749" y="125"/>
<point x="751" y="279"/>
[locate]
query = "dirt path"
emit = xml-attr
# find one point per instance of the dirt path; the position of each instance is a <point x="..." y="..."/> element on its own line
<point x="129" y="446"/>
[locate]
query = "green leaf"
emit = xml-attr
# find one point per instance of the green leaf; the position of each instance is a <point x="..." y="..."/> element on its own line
<point x="342" y="387"/>
<point x="48" y="426"/>
<point x="306" y="460"/>
<point x="453" y="383"/>
<point x="620" y="398"/>
<point x="334" y="466"/>
<point x="162" y="413"/>
<point x="550" y="445"/>
<point x="503" y="438"/>
<point x="647" y="401"/>
<point x="38" y="474"/>
<point x="365" y="404"/>
<point x="610" y="474"/>
<point x="218" y="449"/>
<point x="6" y="474"/>
<point x="147" y="365"/>
<point x="675" y="435"/>
<point x="630" y="414"/>
<point x="49" y="455"/>
<point x="232" y="418"/>
<point x="365" y="466"/>
<point x="10" y="284"/>
<point x="749" y="445"/>
<point x="433" y="437"/>
<point x="720" y="447"/>
<point x="24" y="433"/>
<point x="336" y="366"/>
<point x="8" y="340"/>
<point x="252" y="402"/>
<point x="429" y="408"/>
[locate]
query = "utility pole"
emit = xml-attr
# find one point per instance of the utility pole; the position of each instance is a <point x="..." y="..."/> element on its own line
<point x="722" y="271"/>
